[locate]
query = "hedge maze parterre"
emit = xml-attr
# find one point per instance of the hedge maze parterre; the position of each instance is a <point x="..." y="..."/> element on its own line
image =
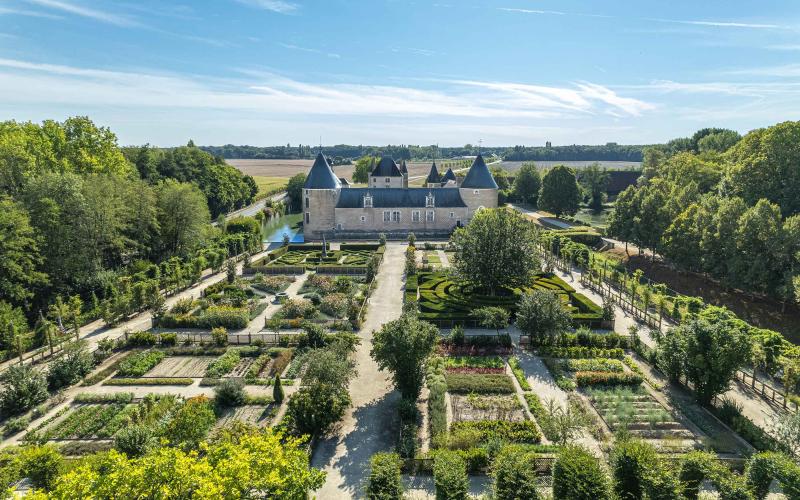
<point x="442" y="298"/>
<point x="312" y="256"/>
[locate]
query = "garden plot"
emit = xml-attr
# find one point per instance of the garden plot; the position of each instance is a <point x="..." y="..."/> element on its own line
<point x="181" y="367"/>
<point x="633" y="409"/>
<point x="86" y="421"/>
<point x="474" y="407"/>
<point x="242" y="368"/>
<point x="442" y="299"/>
<point x="259" y="415"/>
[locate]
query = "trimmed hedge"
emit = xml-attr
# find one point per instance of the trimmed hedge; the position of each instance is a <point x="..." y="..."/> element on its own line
<point x="584" y="379"/>
<point x="148" y="381"/>
<point x="513" y="432"/>
<point x="593" y="365"/>
<point x="485" y="383"/>
<point x="580" y="352"/>
<point x="578" y="475"/>
<point x="233" y="318"/>
<point x="519" y="373"/>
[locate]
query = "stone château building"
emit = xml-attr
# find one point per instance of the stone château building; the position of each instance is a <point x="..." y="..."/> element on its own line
<point x="335" y="210"/>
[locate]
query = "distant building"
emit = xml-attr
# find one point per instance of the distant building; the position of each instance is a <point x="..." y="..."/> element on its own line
<point x="389" y="206"/>
<point x="548" y="144"/>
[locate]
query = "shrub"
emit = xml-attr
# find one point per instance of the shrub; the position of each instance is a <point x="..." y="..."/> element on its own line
<point x="607" y="378"/>
<point x="581" y="352"/>
<point x="223" y="364"/>
<point x="514" y="472"/>
<point x="730" y="412"/>
<point x="220" y="336"/>
<point x="631" y="461"/>
<point x="229" y="393"/>
<point x="277" y="390"/>
<point x="593" y="365"/>
<point x="15" y="425"/>
<point x="314" y="409"/>
<point x="41" y="464"/>
<point x="168" y="339"/>
<point x="298" y="308"/>
<point x="450" y="477"/>
<point x="764" y="467"/>
<point x="23" y="388"/>
<point x="384" y="481"/>
<point x="577" y="475"/>
<point x="134" y="440"/>
<point x="148" y="381"/>
<point x="519" y="373"/>
<point x="314" y="298"/>
<point x="191" y="423"/>
<point x="74" y="364"/>
<point x="335" y="304"/>
<point x="141" y="339"/>
<point x="489" y="383"/>
<point x="140" y="363"/>
<point x="694" y="468"/>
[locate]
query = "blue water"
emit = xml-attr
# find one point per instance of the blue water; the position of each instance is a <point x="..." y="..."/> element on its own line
<point x="274" y="230"/>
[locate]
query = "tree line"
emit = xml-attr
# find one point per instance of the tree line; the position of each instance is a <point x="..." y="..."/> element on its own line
<point x="94" y="230"/>
<point x="721" y="205"/>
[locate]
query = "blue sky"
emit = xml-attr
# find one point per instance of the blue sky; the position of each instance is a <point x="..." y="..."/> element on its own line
<point x="266" y="72"/>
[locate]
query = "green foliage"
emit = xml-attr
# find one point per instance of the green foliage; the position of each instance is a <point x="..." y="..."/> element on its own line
<point x="314" y="409"/>
<point x="229" y="393"/>
<point x="495" y="250"/>
<point x="436" y="382"/>
<point x="560" y="193"/>
<point x="450" y="477"/>
<point x="294" y="189"/>
<point x="191" y="423"/>
<point x="183" y="217"/>
<point x="41" y="464"/>
<point x="23" y="388"/>
<point x="577" y="475"/>
<point x="509" y="431"/>
<point x="140" y="363"/>
<point x="277" y="390"/>
<point x="402" y="346"/>
<point x="763" y="468"/>
<point x="134" y="440"/>
<point x="527" y="183"/>
<point x="484" y="383"/>
<point x="19" y="254"/>
<point x="584" y="379"/>
<point x="514" y="473"/>
<point x="223" y="364"/>
<point x="495" y="318"/>
<point x="542" y="315"/>
<point x="519" y="373"/>
<point x="632" y="461"/>
<point x="75" y="363"/>
<point x="384" y="481"/>
<point x="594" y="181"/>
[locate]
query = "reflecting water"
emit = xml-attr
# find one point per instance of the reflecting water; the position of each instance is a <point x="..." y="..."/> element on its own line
<point x="274" y="230"/>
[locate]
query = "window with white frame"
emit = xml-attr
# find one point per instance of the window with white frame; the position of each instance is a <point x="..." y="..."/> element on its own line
<point x="452" y="215"/>
<point x="387" y="216"/>
<point x="396" y="216"/>
<point x="429" y="201"/>
<point x="429" y="216"/>
<point x="308" y="217"/>
<point x="475" y="191"/>
<point x="415" y="216"/>
<point x="363" y="219"/>
<point x="368" y="201"/>
<point x="388" y="180"/>
<point x="339" y="226"/>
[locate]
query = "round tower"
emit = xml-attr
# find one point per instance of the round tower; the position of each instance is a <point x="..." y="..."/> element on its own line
<point x="320" y="196"/>
<point x="479" y="190"/>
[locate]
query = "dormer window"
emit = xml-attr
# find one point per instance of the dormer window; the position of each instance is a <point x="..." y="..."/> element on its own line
<point x="368" y="201"/>
<point x="429" y="200"/>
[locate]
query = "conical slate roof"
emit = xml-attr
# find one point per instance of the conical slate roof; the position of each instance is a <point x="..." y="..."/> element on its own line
<point x="433" y="175"/>
<point x="448" y="176"/>
<point x="321" y="175"/>
<point x="403" y="168"/>
<point x="387" y="168"/>
<point x="479" y="176"/>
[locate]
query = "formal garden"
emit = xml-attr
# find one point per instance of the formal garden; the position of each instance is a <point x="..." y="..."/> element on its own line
<point x="351" y="258"/>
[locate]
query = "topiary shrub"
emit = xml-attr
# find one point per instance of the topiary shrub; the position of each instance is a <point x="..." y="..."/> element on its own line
<point x="631" y="461"/>
<point x="134" y="440"/>
<point x="514" y="472"/>
<point x="578" y="475"/>
<point x="384" y="482"/>
<point x="277" y="390"/>
<point x="450" y="476"/>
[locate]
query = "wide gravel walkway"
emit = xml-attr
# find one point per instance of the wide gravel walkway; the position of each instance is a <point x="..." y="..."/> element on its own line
<point x="368" y="427"/>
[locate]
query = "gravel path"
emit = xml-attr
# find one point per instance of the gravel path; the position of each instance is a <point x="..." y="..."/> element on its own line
<point x="368" y="427"/>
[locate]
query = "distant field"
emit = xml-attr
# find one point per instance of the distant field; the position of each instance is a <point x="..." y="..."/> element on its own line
<point x="283" y="169"/>
<point x="269" y="185"/>
<point x="513" y="166"/>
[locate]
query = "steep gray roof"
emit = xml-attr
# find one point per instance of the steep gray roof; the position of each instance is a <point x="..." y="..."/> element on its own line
<point x="479" y="176"/>
<point x="386" y="168"/>
<point x="433" y="175"/>
<point x="448" y="176"/>
<point x="403" y="168"/>
<point x="321" y="175"/>
<point x="399" y="197"/>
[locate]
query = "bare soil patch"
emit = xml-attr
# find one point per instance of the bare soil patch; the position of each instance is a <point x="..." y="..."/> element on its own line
<point x="181" y="366"/>
<point x="259" y="415"/>
<point x="483" y="407"/>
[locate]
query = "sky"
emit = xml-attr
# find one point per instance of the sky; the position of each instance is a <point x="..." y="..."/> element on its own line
<point x="447" y="72"/>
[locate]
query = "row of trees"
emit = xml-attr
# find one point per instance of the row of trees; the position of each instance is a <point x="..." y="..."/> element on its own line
<point x="733" y="215"/>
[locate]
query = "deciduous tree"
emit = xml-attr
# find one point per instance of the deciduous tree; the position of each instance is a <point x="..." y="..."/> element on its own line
<point x="560" y="193"/>
<point x="402" y="346"/>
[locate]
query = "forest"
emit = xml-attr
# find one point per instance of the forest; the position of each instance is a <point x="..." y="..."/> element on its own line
<point x="92" y="230"/>
<point x="607" y="152"/>
<point x="722" y="205"/>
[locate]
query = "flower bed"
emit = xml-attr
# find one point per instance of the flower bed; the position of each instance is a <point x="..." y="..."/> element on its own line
<point x="462" y="383"/>
<point x="474" y="407"/>
<point x="584" y="379"/>
<point x="512" y="432"/>
<point x="592" y="365"/>
<point x="492" y="364"/>
<point x="580" y="352"/>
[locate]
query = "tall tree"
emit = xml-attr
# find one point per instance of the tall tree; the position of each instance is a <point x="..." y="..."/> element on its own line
<point x="182" y="215"/>
<point x="401" y="347"/>
<point x="560" y="193"/>
<point x="527" y="183"/>
<point x="19" y="254"/>
<point x="496" y="249"/>
<point x="595" y="181"/>
<point x="294" y="189"/>
<point x="362" y="169"/>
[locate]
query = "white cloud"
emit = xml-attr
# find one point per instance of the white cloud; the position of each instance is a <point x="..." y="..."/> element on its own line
<point x="79" y="10"/>
<point x="532" y="11"/>
<point x="291" y="46"/>
<point x="720" y="24"/>
<point x="278" y="6"/>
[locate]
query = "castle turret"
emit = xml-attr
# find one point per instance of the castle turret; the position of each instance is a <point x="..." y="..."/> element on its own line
<point x="387" y="174"/>
<point x="433" y="178"/>
<point x="479" y="190"/>
<point x="404" y="171"/>
<point x="320" y="195"/>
